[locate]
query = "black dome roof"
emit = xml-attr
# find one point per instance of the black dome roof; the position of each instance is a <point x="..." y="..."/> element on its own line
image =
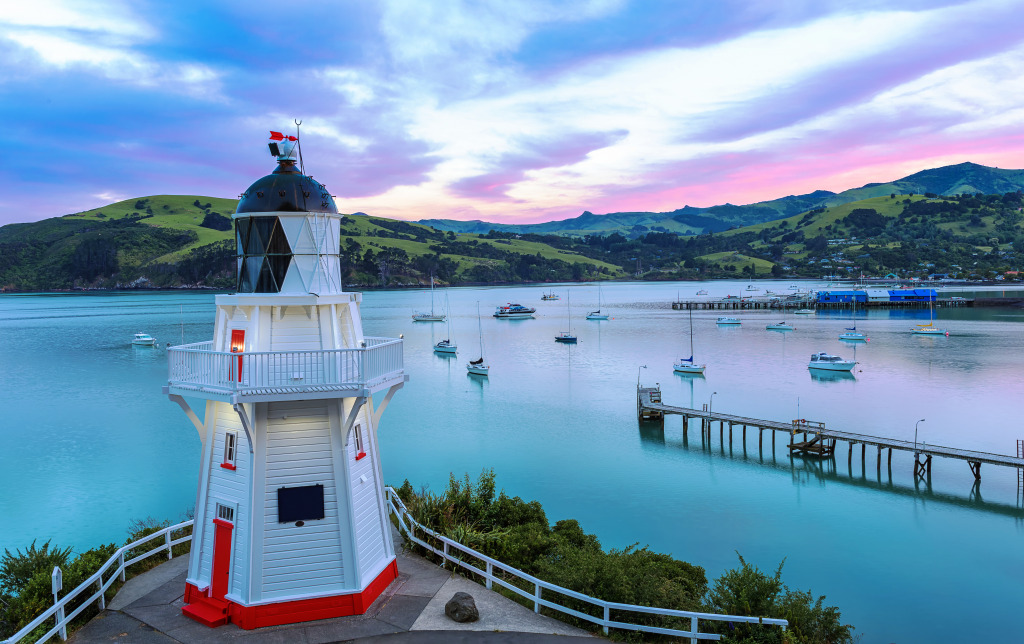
<point x="286" y="190"/>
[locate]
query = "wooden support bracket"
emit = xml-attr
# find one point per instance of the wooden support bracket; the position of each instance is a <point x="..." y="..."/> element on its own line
<point x="975" y="469"/>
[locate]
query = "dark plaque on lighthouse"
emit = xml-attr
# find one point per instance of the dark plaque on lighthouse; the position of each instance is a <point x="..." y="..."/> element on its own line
<point x="304" y="503"/>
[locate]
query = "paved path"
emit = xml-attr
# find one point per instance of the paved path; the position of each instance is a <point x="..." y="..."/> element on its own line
<point x="147" y="610"/>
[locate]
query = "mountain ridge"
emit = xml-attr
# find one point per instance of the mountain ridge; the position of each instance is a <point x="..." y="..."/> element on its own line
<point x="965" y="177"/>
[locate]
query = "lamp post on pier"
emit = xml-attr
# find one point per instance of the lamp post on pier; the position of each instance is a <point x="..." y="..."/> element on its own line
<point x="915" y="436"/>
<point x="710" y="401"/>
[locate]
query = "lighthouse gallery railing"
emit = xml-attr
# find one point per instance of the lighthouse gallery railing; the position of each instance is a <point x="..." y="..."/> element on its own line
<point x="198" y="365"/>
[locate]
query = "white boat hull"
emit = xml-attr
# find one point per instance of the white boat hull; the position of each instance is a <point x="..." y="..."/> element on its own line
<point x="853" y="337"/>
<point x="779" y="327"/>
<point x="445" y="349"/>
<point x="597" y="316"/>
<point x="928" y="331"/>
<point x="846" y="365"/>
<point x="426" y="317"/>
<point x="477" y="370"/>
<point x="804" y="312"/>
<point x="686" y="367"/>
<point x="727" y="321"/>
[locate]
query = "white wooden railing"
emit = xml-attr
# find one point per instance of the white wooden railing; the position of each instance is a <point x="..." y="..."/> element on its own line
<point x="199" y="366"/>
<point x="456" y="553"/>
<point x="113" y="569"/>
<point x="493" y="572"/>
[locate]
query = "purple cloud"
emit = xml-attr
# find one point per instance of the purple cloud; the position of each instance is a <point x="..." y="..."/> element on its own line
<point x="534" y="155"/>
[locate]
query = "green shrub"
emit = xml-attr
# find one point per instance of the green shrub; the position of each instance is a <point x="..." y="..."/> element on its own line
<point x="517" y="533"/>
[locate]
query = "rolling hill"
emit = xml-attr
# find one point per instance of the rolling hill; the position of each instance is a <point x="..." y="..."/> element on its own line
<point x="945" y="181"/>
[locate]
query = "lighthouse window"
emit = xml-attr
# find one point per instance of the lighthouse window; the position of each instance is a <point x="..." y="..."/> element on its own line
<point x="358" y="432"/>
<point x="230" y="450"/>
<point x="225" y="513"/>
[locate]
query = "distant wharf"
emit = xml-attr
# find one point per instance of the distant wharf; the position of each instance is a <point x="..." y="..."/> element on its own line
<point x="808" y="302"/>
<point x="818" y="441"/>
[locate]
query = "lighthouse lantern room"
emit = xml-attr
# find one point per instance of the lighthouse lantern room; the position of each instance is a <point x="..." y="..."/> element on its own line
<point x="290" y="517"/>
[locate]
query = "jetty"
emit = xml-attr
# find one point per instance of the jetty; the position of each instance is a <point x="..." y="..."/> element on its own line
<point x="810" y="439"/>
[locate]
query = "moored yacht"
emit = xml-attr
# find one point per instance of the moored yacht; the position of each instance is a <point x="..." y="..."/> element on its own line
<point x="144" y="340"/>
<point x="828" y="362"/>
<point x="514" y="311"/>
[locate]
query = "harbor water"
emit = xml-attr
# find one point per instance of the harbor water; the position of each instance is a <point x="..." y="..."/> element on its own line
<point x="88" y="443"/>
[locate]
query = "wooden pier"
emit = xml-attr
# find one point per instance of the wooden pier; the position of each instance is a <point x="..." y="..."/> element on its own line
<point x="762" y="302"/>
<point x="817" y="441"/>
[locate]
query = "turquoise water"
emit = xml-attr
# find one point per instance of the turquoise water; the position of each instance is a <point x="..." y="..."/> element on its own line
<point x="88" y="443"/>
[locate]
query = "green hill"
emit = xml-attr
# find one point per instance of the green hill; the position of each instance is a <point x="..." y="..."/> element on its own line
<point x="187" y="241"/>
<point x="945" y="181"/>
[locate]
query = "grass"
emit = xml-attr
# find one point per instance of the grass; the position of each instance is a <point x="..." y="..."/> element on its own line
<point x="740" y="260"/>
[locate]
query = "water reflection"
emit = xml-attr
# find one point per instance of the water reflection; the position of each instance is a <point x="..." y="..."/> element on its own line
<point x="863" y="470"/>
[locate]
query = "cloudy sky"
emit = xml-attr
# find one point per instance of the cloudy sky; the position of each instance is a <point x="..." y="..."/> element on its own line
<point x="504" y="111"/>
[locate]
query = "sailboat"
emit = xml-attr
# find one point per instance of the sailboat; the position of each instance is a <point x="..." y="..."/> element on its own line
<point x="930" y="328"/>
<point x="448" y="344"/>
<point x="851" y="334"/>
<point x="478" y="367"/>
<point x="780" y="326"/>
<point x="597" y="315"/>
<point x="566" y="336"/>
<point x="687" y="365"/>
<point x="429" y="317"/>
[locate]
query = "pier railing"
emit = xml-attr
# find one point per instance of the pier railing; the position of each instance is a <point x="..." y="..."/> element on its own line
<point x="198" y="367"/>
<point x="99" y="583"/>
<point x="495" y="572"/>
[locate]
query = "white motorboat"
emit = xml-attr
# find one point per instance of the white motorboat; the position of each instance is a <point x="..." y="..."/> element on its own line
<point x="479" y="367"/>
<point x="143" y="340"/>
<point x="550" y="296"/>
<point x="779" y="326"/>
<point x="432" y="316"/>
<point x="828" y="362"/>
<point x="703" y="291"/>
<point x="514" y="311"/>
<point x="727" y="321"/>
<point x="687" y="365"/>
<point x="597" y="315"/>
<point x="751" y="287"/>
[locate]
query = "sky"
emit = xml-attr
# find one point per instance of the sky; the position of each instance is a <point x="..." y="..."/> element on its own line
<point x="515" y="112"/>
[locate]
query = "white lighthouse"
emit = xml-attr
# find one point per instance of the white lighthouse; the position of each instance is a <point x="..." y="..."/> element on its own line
<point x="290" y="516"/>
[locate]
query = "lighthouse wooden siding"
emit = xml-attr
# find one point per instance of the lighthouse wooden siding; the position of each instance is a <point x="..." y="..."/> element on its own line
<point x="373" y="541"/>
<point x="229" y="488"/>
<point x="307" y="559"/>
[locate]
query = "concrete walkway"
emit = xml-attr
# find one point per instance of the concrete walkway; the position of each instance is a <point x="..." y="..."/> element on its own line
<point x="147" y="610"/>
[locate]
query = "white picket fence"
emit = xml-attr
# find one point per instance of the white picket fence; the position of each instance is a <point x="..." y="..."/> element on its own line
<point x="488" y="568"/>
<point x="114" y="567"/>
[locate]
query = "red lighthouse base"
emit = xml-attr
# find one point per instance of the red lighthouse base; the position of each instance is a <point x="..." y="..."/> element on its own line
<point x="215" y="612"/>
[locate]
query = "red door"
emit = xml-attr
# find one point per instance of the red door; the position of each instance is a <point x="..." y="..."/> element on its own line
<point x="238" y="346"/>
<point x="221" y="557"/>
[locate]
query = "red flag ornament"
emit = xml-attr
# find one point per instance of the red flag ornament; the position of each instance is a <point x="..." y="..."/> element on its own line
<point x="277" y="136"/>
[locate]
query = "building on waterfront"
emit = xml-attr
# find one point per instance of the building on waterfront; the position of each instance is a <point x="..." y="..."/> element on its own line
<point x="290" y="519"/>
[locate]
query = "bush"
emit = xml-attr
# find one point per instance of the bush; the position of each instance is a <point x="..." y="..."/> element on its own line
<point x="517" y="533"/>
<point x="747" y="591"/>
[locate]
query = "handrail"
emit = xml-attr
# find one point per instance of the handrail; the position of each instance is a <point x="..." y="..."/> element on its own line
<point x="96" y="579"/>
<point x="408" y="525"/>
<point x="198" y="366"/>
